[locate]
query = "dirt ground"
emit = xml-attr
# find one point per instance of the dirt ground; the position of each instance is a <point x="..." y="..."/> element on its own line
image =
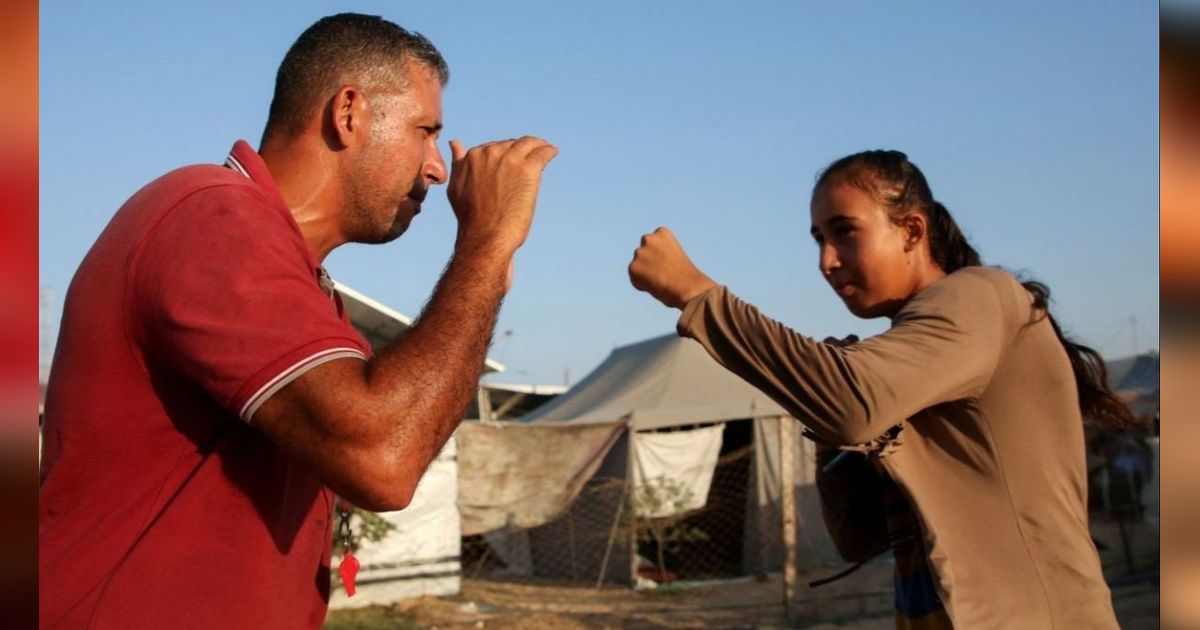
<point x="508" y="605"/>
<point x="861" y="601"/>
<point x="745" y="604"/>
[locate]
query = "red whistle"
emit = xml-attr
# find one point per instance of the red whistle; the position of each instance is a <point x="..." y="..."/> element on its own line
<point x="348" y="569"/>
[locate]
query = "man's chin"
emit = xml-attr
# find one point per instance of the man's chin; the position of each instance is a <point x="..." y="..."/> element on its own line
<point x="383" y="234"/>
<point x="398" y="230"/>
<point x="403" y="219"/>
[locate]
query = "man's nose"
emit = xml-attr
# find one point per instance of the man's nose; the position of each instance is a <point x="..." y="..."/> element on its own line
<point x="435" y="168"/>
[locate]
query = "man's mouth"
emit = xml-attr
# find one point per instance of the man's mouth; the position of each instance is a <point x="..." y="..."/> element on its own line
<point x="417" y="197"/>
<point x="843" y="288"/>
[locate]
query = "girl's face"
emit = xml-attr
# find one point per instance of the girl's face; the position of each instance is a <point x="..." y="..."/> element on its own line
<point x="868" y="260"/>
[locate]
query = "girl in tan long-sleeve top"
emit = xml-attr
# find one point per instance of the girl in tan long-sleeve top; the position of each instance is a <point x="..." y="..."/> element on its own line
<point x="968" y="408"/>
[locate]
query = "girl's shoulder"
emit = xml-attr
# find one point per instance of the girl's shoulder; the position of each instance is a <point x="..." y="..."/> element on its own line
<point x="983" y="280"/>
<point x="972" y="293"/>
<point x="983" y="274"/>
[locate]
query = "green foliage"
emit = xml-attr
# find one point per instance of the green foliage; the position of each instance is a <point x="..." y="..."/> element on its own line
<point x="663" y="496"/>
<point x="364" y="525"/>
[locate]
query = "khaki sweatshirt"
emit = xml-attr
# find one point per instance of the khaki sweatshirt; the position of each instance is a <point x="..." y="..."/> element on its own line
<point x="970" y="405"/>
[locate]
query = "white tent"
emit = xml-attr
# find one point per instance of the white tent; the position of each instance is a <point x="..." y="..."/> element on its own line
<point x="680" y="410"/>
<point x="666" y="381"/>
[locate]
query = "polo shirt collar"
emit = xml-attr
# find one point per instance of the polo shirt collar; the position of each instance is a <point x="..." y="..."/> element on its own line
<point x="245" y="160"/>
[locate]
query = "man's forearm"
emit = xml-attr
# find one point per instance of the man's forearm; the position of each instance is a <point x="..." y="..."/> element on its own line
<point x="426" y="378"/>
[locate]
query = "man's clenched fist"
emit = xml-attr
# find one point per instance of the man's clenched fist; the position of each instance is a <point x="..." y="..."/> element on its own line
<point x="493" y="190"/>
<point x="661" y="268"/>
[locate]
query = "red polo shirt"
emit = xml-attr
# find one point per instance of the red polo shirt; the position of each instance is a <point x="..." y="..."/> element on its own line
<point x="161" y="505"/>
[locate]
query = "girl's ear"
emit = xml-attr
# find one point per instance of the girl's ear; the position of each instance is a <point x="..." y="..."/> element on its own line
<point x="916" y="229"/>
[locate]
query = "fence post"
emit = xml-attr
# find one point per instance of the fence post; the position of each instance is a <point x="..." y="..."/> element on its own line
<point x="612" y="534"/>
<point x="631" y="496"/>
<point x="483" y="400"/>
<point x="787" y="509"/>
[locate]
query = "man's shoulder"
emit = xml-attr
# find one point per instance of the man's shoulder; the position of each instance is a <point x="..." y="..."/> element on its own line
<point x="194" y="178"/>
<point x="199" y="211"/>
<point x="212" y="194"/>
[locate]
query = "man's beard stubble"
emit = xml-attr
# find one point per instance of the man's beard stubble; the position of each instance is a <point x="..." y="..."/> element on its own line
<point x="372" y="226"/>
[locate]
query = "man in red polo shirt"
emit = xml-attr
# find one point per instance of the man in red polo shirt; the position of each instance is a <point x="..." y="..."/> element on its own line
<point x="209" y="395"/>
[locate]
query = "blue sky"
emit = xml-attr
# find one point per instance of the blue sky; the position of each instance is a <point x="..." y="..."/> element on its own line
<point x="1036" y="124"/>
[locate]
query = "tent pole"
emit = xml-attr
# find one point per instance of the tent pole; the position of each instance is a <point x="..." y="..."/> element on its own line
<point x="762" y="495"/>
<point x="612" y="534"/>
<point x="484" y="401"/>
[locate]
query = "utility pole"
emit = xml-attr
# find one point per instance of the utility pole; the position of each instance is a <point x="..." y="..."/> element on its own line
<point x="1133" y="328"/>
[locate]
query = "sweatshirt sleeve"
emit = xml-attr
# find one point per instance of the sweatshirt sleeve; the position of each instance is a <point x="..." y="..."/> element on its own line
<point x="943" y="345"/>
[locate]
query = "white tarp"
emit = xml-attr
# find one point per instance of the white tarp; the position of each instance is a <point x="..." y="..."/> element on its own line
<point x="422" y="555"/>
<point x="674" y="471"/>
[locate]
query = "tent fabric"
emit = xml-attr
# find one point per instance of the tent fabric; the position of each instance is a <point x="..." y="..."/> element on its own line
<point x="661" y="382"/>
<point x="525" y="475"/>
<point x="813" y="545"/>
<point x="674" y="471"/>
<point x="1138" y="374"/>
<point x="1135" y="380"/>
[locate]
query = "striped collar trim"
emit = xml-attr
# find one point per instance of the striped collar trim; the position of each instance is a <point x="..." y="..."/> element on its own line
<point x="243" y="159"/>
<point x="235" y="164"/>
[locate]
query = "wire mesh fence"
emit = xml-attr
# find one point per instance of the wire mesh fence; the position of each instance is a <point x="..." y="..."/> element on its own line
<point x="606" y="536"/>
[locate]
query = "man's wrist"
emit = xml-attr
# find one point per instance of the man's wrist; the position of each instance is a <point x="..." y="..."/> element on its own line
<point x="477" y="247"/>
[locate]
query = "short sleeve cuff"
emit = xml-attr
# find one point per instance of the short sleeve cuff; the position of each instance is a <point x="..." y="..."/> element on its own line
<point x="288" y="368"/>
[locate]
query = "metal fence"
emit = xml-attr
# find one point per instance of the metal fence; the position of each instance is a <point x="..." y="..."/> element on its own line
<point x="591" y="542"/>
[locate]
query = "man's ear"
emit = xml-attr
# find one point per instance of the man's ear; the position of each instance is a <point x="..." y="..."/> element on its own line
<point x="347" y="116"/>
<point x="916" y="228"/>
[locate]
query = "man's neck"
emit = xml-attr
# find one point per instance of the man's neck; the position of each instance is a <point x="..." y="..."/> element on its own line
<point x="305" y="177"/>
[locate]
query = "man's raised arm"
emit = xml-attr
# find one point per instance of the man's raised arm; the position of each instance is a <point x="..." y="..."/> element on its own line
<point x="370" y="429"/>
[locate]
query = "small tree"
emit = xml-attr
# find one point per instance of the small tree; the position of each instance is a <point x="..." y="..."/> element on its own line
<point x="670" y="499"/>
